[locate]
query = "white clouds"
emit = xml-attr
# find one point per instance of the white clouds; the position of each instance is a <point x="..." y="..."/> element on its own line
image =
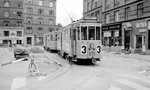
<point x="66" y="8"/>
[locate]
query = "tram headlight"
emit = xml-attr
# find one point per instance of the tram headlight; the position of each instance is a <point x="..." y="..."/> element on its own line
<point x="91" y="45"/>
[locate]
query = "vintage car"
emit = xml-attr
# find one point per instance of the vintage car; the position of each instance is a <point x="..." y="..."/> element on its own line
<point x="20" y="52"/>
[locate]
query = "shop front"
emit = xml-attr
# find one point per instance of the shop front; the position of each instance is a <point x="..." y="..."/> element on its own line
<point x="134" y="35"/>
<point x="11" y="36"/>
<point x="112" y="37"/>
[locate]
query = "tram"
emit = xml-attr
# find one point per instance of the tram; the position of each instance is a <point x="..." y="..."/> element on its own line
<point x="50" y="41"/>
<point x="80" y="40"/>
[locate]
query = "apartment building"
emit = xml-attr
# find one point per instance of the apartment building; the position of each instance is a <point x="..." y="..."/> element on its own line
<point x="39" y="18"/>
<point x="11" y="22"/>
<point x="125" y="25"/>
<point x="92" y="8"/>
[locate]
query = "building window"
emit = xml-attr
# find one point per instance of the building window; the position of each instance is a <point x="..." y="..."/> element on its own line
<point x="92" y="14"/>
<point x="51" y="4"/>
<point x="107" y="18"/>
<point x="127" y="13"/>
<point x="6" y="14"/>
<point x="51" y="12"/>
<point x="29" y="19"/>
<point x="6" y="33"/>
<point x="29" y="1"/>
<point x="19" y="33"/>
<point x="95" y="4"/>
<point x="29" y="30"/>
<point x="29" y="10"/>
<point x="88" y="6"/>
<point x="40" y="20"/>
<point x="140" y="10"/>
<point x="40" y="30"/>
<point x="40" y="11"/>
<point x="92" y="4"/>
<point x="116" y="16"/>
<point x="97" y="14"/>
<point x="51" y="29"/>
<point x="6" y="23"/>
<point x="41" y="2"/>
<point x="51" y="22"/>
<point x="6" y="4"/>
<point x="19" y="23"/>
<point x="19" y="4"/>
<point x="19" y="14"/>
<point x="116" y="3"/>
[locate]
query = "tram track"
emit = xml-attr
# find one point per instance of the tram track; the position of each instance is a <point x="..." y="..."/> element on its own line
<point x="82" y="82"/>
<point x="65" y="72"/>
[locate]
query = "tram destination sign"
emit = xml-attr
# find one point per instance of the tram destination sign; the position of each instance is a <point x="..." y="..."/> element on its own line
<point x="112" y="27"/>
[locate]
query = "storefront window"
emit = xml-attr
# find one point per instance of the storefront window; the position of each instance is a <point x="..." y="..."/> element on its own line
<point x="84" y="32"/>
<point x="107" y="38"/>
<point x="91" y="33"/>
<point x="107" y="41"/>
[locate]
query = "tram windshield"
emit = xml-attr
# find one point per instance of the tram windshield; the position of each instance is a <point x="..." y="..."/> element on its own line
<point x="91" y="33"/>
<point x="84" y="32"/>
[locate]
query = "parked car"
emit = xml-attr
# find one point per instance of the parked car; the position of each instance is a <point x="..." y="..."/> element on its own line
<point x="20" y="52"/>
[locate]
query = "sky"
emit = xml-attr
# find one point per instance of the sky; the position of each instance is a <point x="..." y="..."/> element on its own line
<point x="68" y="8"/>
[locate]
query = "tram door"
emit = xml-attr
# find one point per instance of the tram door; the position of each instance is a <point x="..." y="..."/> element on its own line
<point x="74" y="41"/>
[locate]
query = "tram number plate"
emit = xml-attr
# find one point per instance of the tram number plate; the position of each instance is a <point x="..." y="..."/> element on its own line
<point x="83" y="49"/>
<point x="98" y="49"/>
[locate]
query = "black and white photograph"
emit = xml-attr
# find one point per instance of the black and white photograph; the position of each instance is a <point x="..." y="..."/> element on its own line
<point x="74" y="44"/>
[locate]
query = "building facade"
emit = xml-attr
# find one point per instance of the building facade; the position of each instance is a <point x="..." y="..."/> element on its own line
<point x="11" y="22"/>
<point x="39" y="18"/>
<point x="125" y="25"/>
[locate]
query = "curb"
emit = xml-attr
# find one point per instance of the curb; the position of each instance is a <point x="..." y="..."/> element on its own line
<point x="12" y="62"/>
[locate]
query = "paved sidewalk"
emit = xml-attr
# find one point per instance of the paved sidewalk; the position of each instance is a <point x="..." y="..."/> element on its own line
<point x="136" y="56"/>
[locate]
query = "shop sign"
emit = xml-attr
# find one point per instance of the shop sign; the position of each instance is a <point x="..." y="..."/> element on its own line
<point x="8" y="38"/>
<point x="107" y="34"/>
<point x="141" y="25"/>
<point x="142" y="30"/>
<point x="127" y="26"/>
<point x="112" y="27"/>
<point x="12" y="33"/>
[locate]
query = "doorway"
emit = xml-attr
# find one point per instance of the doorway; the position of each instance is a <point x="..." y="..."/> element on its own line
<point x="29" y="40"/>
<point x="127" y="40"/>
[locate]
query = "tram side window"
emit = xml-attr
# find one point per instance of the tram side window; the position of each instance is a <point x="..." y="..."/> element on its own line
<point x="91" y="33"/>
<point x="84" y="32"/>
<point x="74" y="34"/>
<point x="78" y="29"/>
<point x="97" y="33"/>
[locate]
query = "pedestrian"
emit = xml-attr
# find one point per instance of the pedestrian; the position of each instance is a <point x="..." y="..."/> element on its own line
<point x="32" y="66"/>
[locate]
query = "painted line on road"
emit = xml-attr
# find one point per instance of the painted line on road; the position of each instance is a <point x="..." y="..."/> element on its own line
<point x="18" y="83"/>
<point x="41" y="78"/>
<point x="12" y="62"/>
<point x="113" y="88"/>
<point x="53" y="59"/>
<point x="18" y="60"/>
<point x="132" y="84"/>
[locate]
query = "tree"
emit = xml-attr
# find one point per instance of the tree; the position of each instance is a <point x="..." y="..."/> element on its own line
<point x="59" y="25"/>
